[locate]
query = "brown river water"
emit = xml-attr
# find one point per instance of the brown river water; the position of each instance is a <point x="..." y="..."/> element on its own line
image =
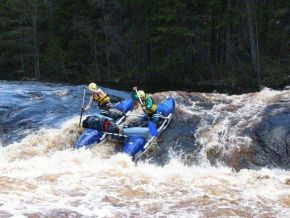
<point x="215" y="169"/>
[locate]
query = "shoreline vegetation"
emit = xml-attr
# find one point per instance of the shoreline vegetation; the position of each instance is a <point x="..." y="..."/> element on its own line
<point x="215" y="86"/>
<point x="217" y="45"/>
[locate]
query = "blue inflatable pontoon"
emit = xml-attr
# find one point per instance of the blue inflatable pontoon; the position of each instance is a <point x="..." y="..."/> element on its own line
<point x="92" y="136"/>
<point x="137" y="145"/>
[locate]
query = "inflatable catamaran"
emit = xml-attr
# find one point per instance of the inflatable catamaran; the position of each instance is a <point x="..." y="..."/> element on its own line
<point x="137" y="139"/>
<point x="137" y="145"/>
<point x="92" y="136"/>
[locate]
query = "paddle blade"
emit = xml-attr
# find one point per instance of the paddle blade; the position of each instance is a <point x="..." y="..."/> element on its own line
<point x="152" y="128"/>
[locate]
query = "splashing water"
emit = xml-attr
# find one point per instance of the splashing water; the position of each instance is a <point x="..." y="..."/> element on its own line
<point x="188" y="174"/>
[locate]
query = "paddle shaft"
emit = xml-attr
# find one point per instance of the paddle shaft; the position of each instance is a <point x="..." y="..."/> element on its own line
<point x="139" y="98"/>
<point x="82" y="107"/>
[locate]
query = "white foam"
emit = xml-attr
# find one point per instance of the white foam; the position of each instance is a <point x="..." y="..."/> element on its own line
<point x="43" y="174"/>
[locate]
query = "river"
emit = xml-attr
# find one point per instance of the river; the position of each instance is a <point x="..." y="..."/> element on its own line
<point x="222" y="156"/>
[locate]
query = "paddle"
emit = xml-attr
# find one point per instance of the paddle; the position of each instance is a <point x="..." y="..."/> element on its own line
<point x="139" y="97"/>
<point x="82" y="110"/>
<point x="152" y="126"/>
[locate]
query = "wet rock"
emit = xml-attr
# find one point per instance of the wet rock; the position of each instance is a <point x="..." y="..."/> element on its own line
<point x="272" y="137"/>
<point x="178" y="139"/>
<point x="270" y="145"/>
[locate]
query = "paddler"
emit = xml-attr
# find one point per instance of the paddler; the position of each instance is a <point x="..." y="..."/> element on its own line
<point x="103" y="101"/>
<point x="147" y="103"/>
<point x="100" y="97"/>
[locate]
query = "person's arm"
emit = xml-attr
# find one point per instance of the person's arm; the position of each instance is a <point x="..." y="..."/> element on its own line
<point x="98" y="91"/>
<point x="148" y="103"/>
<point x="134" y="96"/>
<point x="89" y="104"/>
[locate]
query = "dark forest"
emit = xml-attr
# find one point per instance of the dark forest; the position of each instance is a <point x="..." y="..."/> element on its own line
<point x="173" y="44"/>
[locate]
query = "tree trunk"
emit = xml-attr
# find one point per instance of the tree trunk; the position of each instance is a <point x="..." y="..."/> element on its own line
<point x="62" y="64"/>
<point x="228" y="38"/>
<point x="35" y="42"/>
<point x="21" y="70"/>
<point x="258" y="51"/>
<point x="51" y="8"/>
<point x="208" y="56"/>
<point x="107" y="43"/>
<point x="190" y="54"/>
<point x="253" y="45"/>
<point x="97" y="68"/>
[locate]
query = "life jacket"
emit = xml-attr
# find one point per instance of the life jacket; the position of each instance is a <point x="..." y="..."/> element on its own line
<point x="152" y="109"/>
<point x="101" y="100"/>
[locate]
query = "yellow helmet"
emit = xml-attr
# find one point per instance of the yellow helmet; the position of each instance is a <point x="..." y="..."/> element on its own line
<point x="93" y="86"/>
<point x="141" y="94"/>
